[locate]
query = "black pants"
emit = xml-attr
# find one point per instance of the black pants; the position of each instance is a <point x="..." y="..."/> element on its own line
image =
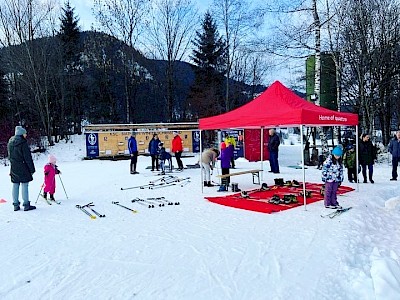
<point x="225" y="181"/>
<point x="370" y="171"/>
<point x="352" y="174"/>
<point x="178" y="156"/>
<point x="134" y="156"/>
<point x="395" y="163"/>
<point x="154" y="161"/>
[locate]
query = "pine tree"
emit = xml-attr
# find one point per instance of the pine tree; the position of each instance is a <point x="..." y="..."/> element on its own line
<point x="70" y="109"/>
<point x="206" y="94"/>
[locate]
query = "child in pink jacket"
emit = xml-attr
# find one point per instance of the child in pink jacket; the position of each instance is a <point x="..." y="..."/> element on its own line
<point x="50" y="171"/>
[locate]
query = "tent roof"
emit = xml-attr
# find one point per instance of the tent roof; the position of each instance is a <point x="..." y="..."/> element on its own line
<point x="278" y="106"/>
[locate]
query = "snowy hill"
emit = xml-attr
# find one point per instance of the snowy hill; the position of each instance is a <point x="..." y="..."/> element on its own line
<point x="198" y="249"/>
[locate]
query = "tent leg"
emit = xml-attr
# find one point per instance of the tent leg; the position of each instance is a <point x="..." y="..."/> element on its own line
<point x="303" y="167"/>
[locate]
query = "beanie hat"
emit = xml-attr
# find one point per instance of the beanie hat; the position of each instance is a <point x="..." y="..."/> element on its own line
<point x="223" y="145"/>
<point x="337" y="151"/>
<point x="19" y="130"/>
<point x="52" y="159"/>
<point x="175" y="132"/>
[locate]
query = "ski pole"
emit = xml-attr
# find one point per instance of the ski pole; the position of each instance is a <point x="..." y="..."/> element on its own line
<point x="117" y="203"/>
<point x="41" y="188"/>
<point x="59" y="176"/>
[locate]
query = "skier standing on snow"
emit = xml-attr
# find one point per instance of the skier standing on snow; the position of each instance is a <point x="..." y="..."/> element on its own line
<point x="50" y="171"/>
<point x="177" y="148"/>
<point x="153" y="150"/>
<point x="225" y="157"/>
<point x="332" y="176"/>
<point x="394" y="149"/>
<point x="22" y="167"/>
<point x="350" y="162"/>
<point x="208" y="158"/>
<point x="367" y="155"/>
<point x="133" y="151"/>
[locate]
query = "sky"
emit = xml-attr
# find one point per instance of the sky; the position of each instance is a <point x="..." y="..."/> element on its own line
<point x="83" y="8"/>
<point x="284" y="71"/>
<point x="196" y="250"/>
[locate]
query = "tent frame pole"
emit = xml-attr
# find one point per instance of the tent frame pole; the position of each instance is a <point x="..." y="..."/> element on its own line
<point x="201" y="167"/>
<point x="303" y="167"/>
<point x="262" y="152"/>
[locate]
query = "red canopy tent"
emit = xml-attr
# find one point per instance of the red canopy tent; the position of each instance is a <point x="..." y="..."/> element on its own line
<point x="278" y="106"/>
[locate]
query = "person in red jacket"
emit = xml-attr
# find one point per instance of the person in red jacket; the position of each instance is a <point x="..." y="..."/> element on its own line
<point x="177" y="148"/>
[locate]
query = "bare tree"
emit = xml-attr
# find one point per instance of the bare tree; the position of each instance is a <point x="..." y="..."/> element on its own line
<point x="170" y="32"/>
<point x="124" y="19"/>
<point x="22" y="23"/>
<point x="238" y="22"/>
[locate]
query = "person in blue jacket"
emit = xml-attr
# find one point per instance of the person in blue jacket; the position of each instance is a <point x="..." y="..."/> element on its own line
<point x="394" y="149"/>
<point x="133" y="151"/>
<point x="153" y="150"/>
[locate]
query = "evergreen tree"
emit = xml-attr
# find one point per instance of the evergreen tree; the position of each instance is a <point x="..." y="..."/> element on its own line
<point x="206" y="95"/>
<point x="70" y="109"/>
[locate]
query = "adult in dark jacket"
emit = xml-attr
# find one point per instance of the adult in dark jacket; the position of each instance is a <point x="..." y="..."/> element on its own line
<point x="153" y="150"/>
<point x="273" y="148"/>
<point x="22" y="167"/>
<point x="394" y="149"/>
<point x="367" y="156"/>
<point x="133" y="151"/>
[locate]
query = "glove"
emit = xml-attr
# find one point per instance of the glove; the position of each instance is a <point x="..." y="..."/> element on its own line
<point x="46" y="173"/>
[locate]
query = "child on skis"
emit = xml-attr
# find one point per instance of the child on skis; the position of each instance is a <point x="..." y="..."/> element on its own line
<point x="225" y="156"/>
<point x="50" y="171"/>
<point x="163" y="155"/>
<point x="349" y="161"/>
<point x="332" y="176"/>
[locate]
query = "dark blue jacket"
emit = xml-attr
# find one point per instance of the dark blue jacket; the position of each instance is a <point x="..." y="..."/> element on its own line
<point x="153" y="146"/>
<point x="132" y="145"/>
<point x="164" y="154"/>
<point x="274" y="143"/>
<point x="394" y="147"/>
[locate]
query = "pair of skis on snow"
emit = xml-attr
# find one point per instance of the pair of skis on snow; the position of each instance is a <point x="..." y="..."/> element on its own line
<point x="336" y="213"/>
<point x="153" y="202"/>
<point x="162" y="182"/>
<point x="84" y="208"/>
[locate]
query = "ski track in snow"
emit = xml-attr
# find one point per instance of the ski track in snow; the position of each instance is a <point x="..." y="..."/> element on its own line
<point x="195" y="250"/>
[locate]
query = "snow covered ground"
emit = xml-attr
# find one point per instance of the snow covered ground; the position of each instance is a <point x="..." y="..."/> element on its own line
<point x="195" y="250"/>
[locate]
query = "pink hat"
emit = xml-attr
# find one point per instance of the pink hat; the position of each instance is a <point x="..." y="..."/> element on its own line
<point x="223" y="145"/>
<point x="52" y="159"/>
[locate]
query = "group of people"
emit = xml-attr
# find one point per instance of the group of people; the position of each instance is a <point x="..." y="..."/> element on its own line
<point x="23" y="168"/>
<point x="157" y="151"/>
<point x="332" y="169"/>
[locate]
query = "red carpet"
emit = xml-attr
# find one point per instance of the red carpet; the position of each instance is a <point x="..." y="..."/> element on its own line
<point x="258" y="200"/>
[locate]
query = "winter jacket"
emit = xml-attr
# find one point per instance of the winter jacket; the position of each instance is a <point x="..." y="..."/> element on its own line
<point x="50" y="172"/>
<point x="132" y="145"/>
<point x="349" y="159"/>
<point x="153" y="146"/>
<point x="366" y="153"/>
<point x="226" y="155"/>
<point x="177" y="145"/>
<point x="274" y="143"/>
<point x="332" y="172"/>
<point x="394" y="147"/>
<point x="20" y="157"/>
<point x="208" y="157"/>
<point x="164" y="155"/>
